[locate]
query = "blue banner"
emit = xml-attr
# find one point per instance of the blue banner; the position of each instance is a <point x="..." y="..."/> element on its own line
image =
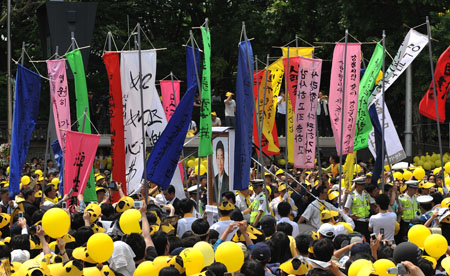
<point x="378" y="167"/>
<point x="190" y="66"/>
<point x="59" y="158"/>
<point x="164" y="157"/>
<point x="26" y="109"/>
<point x="244" y="117"/>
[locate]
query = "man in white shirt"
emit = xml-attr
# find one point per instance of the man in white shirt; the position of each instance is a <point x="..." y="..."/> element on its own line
<point x="230" y="110"/>
<point x="284" y="196"/>
<point x="216" y="122"/>
<point x="383" y="222"/>
<point x="312" y="212"/>
<point x="284" y="210"/>
<point x="184" y="224"/>
<point x="225" y="208"/>
<point x="281" y="114"/>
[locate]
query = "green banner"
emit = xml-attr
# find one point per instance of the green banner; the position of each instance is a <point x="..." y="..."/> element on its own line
<point x="81" y="94"/>
<point x="363" y="123"/>
<point x="205" y="131"/>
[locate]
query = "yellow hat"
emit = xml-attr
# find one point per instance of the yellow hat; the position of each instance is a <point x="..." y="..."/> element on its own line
<point x="295" y="266"/>
<point x="267" y="174"/>
<point x="228" y="94"/>
<point x="431" y="259"/>
<point x="38" y="172"/>
<point x="94" y="211"/>
<point x="403" y="188"/>
<point x="446" y="264"/>
<point x="333" y="194"/>
<point x="99" y="188"/>
<point x="226" y="206"/>
<point x="314" y="235"/>
<point x="282" y="187"/>
<point x="167" y="228"/>
<point x="99" y="177"/>
<point x="4" y="219"/>
<point x="190" y="133"/>
<point x="124" y="204"/>
<point x="280" y="171"/>
<point x="445" y="202"/>
<point x="38" y="194"/>
<point x="213" y="113"/>
<point x="311" y="250"/>
<point x="25" y="180"/>
<point x="41" y="178"/>
<point x="55" y="181"/>
<point x="327" y="214"/>
<point x="425" y="185"/>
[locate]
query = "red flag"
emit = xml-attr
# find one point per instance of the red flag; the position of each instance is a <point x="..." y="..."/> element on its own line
<point x="112" y="64"/>
<point x="79" y="158"/>
<point x="442" y="77"/>
<point x="258" y="76"/>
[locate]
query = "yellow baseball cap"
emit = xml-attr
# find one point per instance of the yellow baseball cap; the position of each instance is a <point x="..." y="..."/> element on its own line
<point x="226" y="206"/>
<point x="425" y="185"/>
<point x="332" y="195"/>
<point x="327" y="214"/>
<point x="214" y="113"/>
<point x="282" y="187"/>
<point x="228" y="94"/>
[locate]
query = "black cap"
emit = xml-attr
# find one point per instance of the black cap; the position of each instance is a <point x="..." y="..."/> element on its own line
<point x="407" y="251"/>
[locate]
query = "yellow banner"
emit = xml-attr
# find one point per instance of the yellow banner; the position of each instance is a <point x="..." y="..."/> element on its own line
<point x="348" y="170"/>
<point x="293" y="52"/>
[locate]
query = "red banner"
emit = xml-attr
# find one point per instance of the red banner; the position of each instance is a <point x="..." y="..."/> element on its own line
<point x="79" y="158"/>
<point x="442" y="77"/>
<point x="292" y="75"/>
<point x="170" y="92"/>
<point x="258" y="77"/>
<point x="112" y="64"/>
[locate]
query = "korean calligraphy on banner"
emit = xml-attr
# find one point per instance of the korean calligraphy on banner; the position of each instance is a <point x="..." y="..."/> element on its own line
<point x="258" y="82"/>
<point x="442" y="76"/>
<point x="79" y="158"/>
<point x="353" y="64"/>
<point x="157" y="120"/>
<point x="170" y="96"/>
<point x="132" y="117"/>
<point x="305" y="112"/>
<point x="412" y="45"/>
<point x="363" y="124"/>
<point x="59" y="93"/>
<point x="112" y="64"/>
<point x="205" y="130"/>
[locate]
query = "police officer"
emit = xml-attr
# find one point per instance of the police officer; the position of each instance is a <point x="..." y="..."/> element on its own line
<point x="359" y="203"/>
<point x="258" y="207"/>
<point x="410" y="208"/>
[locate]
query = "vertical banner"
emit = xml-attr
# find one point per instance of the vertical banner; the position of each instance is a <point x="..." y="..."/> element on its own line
<point x="412" y="45"/>
<point x="394" y="148"/>
<point x="26" y="109"/>
<point x="112" y="63"/>
<point x="191" y="76"/>
<point x="82" y="103"/>
<point x="363" y="124"/>
<point x="305" y="112"/>
<point x="59" y="93"/>
<point x="293" y="51"/>
<point x="353" y="65"/>
<point x="442" y="76"/>
<point x="80" y="155"/>
<point x="274" y="81"/>
<point x="59" y="158"/>
<point x="292" y="77"/>
<point x="205" y="130"/>
<point x="170" y="96"/>
<point x="132" y="117"/>
<point x="258" y="82"/>
<point x="244" y="117"/>
<point x="157" y="119"/>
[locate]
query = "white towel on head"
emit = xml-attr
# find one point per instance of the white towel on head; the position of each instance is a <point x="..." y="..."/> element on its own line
<point x="122" y="259"/>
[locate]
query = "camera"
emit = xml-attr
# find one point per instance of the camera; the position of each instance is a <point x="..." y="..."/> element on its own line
<point x="112" y="186"/>
<point x="399" y="270"/>
<point x="137" y="204"/>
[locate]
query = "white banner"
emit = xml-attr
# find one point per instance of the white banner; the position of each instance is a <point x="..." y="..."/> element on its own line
<point x="131" y="99"/>
<point x="394" y="148"/>
<point x="412" y="45"/>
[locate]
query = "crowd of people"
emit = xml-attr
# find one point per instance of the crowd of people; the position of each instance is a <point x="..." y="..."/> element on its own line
<point x="288" y="222"/>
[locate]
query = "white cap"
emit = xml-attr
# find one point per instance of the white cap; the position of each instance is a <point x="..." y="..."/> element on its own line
<point x="20" y="256"/>
<point x="425" y="199"/>
<point x="192" y="189"/>
<point x="326" y="230"/>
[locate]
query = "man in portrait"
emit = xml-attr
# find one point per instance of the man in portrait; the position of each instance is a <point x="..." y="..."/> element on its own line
<point x="221" y="182"/>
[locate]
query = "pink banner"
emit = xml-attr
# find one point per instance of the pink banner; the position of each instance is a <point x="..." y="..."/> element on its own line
<point x="308" y="85"/>
<point x="59" y="94"/>
<point x="353" y="64"/>
<point x="170" y="96"/>
<point x="79" y="158"/>
<point x="292" y="75"/>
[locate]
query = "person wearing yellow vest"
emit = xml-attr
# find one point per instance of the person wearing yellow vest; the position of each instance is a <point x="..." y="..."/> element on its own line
<point x="334" y="166"/>
<point x="357" y="207"/>
<point x="258" y="207"/>
<point x="410" y="208"/>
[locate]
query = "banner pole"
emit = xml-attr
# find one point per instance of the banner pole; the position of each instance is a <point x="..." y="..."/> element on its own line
<point x="10" y="97"/>
<point x="244" y="32"/>
<point x="342" y="117"/>
<point x="261" y="114"/>
<point x="144" y="147"/>
<point x="286" y="119"/>
<point x="22" y="54"/>
<point x="200" y="93"/>
<point x="383" y="145"/>
<point x="257" y="111"/>
<point x="430" y="51"/>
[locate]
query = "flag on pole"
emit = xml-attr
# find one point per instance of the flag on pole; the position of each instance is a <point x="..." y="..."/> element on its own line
<point x="26" y="109"/>
<point x="170" y="96"/>
<point x="205" y="130"/>
<point x="158" y="120"/>
<point x="112" y="63"/>
<point x="244" y="117"/>
<point x="163" y="160"/>
<point x="191" y="75"/>
<point x="351" y="88"/>
<point x="59" y="93"/>
<point x="59" y="158"/>
<point x="308" y="86"/>
<point x="363" y="123"/>
<point x="80" y="155"/>
<point x="132" y="117"/>
<point x="82" y="103"/>
<point x="442" y="76"/>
